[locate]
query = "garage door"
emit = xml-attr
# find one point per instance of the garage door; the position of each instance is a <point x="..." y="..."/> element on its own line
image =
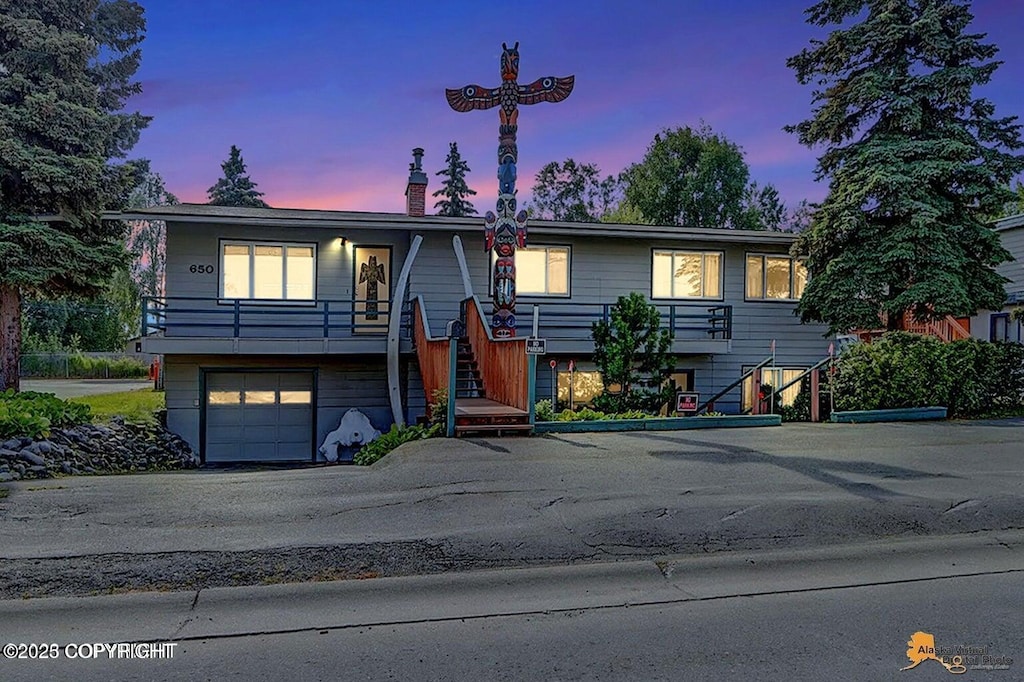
<point x="259" y="416"/>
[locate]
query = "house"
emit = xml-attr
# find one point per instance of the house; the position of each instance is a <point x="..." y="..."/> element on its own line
<point x="277" y="321"/>
<point x="999" y="325"/>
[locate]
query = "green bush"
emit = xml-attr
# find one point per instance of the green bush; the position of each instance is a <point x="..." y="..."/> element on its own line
<point x="543" y="411"/>
<point x="32" y="415"/>
<point x="969" y="377"/>
<point x="439" y="408"/>
<point x="79" y="366"/>
<point x="386" y="442"/>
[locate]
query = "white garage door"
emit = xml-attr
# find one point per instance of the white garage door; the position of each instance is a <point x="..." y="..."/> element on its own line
<point x="259" y="416"/>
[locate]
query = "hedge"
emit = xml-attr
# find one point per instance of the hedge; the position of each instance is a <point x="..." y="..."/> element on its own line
<point x="970" y="377"/>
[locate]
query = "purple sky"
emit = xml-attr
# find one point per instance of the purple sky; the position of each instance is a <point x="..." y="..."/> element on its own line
<point x="326" y="99"/>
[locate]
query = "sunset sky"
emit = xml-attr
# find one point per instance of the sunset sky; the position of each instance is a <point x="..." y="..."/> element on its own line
<point x="327" y="99"/>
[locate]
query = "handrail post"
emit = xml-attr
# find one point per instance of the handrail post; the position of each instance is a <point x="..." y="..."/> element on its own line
<point x="453" y="358"/>
<point x="238" y="310"/>
<point x="606" y="313"/>
<point x="815" y="395"/>
<point x="672" y="321"/>
<point x="327" y="319"/>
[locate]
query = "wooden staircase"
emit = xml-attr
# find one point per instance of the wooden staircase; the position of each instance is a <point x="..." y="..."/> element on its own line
<point x="474" y="411"/>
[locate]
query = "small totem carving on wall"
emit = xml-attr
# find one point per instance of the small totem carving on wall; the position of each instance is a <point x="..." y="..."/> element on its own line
<point x="372" y="296"/>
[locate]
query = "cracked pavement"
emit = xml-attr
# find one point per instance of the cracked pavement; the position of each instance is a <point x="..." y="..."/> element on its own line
<point x="442" y="505"/>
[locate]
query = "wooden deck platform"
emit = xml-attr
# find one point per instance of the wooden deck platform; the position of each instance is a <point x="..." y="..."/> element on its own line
<point x="483" y="414"/>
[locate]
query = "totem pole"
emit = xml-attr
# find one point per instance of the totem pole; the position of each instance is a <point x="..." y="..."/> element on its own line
<point x="507" y="230"/>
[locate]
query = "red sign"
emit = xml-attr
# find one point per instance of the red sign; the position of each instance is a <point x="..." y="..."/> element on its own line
<point x="553" y="363"/>
<point x="687" y="402"/>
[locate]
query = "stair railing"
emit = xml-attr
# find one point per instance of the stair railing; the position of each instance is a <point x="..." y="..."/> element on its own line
<point x="709" y="404"/>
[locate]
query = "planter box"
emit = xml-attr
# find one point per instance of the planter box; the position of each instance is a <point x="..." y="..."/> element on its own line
<point x="659" y="424"/>
<point x="902" y="414"/>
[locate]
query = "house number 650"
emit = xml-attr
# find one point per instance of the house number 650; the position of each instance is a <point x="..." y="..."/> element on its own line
<point x="195" y="269"/>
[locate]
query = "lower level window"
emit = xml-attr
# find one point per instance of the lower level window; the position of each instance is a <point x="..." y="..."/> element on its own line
<point x="774" y="377"/>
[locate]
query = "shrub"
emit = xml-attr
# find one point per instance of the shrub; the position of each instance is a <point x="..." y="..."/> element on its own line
<point x="439" y="408"/>
<point x="969" y="377"/>
<point x="386" y="442"/>
<point x="544" y="412"/>
<point x="32" y="415"/>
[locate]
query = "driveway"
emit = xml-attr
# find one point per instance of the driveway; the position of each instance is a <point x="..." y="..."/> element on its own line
<point x="450" y="504"/>
<point x="73" y="388"/>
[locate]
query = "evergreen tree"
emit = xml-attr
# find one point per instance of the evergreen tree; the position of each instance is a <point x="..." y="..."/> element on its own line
<point x="235" y="188"/>
<point x="632" y="351"/>
<point x="454" y="189"/>
<point x="66" y="73"/>
<point x="914" y="162"/>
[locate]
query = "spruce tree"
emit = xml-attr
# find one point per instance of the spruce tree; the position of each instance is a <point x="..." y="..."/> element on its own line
<point x="235" y="188"/>
<point x="66" y="71"/>
<point x="454" y="189"/>
<point x="914" y="160"/>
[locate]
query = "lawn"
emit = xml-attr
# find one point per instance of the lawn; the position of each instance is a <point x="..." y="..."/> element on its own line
<point x="134" y="406"/>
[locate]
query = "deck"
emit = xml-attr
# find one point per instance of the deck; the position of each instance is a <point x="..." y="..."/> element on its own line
<point x="483" y="414"/>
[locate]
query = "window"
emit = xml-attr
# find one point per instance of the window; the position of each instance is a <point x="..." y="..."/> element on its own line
<point x="686" y="274"/>
<point x="775" y="277"/>
<point x="541" y="270"/>
<point x="775" y="377"/>
<point x="999" y="327"/>
<point x="268" y="271"/>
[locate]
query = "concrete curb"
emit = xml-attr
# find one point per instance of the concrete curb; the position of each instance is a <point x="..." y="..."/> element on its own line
<point x="659" y="424"/>
<point x="903" y="414"/>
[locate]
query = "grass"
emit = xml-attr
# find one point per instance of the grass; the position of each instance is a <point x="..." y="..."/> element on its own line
<point x="134" y="406"/>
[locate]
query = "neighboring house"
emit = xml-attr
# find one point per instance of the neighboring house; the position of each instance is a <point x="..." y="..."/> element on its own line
<point x="277" y="321"/>
<point x="999" y="325"/>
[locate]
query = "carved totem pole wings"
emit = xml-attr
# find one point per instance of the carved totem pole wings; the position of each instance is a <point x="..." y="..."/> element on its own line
<point x="547" y="89"/>
<point x="472" y="97"/>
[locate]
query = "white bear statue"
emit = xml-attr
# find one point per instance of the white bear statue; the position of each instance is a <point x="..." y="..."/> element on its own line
<point x="355" y="428"/>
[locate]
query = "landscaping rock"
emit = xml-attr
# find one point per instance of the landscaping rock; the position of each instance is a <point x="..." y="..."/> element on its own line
<point x="32" y="458"/>
<point x="118" y="447"/>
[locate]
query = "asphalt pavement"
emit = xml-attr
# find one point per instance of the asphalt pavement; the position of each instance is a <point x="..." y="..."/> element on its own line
<point x="836" y="612"/>
<point x="449" y="505"/>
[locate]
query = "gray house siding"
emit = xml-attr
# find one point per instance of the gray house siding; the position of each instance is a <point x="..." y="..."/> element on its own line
<point x="342" y="382"/>
<point x="602" y="268"/>
<point x="197" y="246"/>
<point x="1012" y="239"/>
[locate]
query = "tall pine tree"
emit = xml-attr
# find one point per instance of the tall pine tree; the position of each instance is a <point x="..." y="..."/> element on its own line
<point x="914" y="161"/>
<point x="66" y="69"/>
<point x="235" y="188"/>
<point x="454" y="189"/>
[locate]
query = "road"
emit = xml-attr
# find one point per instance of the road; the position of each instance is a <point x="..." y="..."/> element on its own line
<point x="841" y="612"/>
<point x="443" y="505"/>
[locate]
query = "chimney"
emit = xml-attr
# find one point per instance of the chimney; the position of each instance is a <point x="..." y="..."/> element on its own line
<point x="416" y="191"/>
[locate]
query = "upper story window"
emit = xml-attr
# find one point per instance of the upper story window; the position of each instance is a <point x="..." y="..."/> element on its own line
<point x="775" y="277"/>
<point x="686" y="274"/>
<point x="541" y="270"/>
<point x="268" y="271"/>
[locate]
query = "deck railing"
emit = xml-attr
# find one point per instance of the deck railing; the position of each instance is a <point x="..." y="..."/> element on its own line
<point x="193" y="316"/>
<point x="432" y="353"/>
<point x="503" y="363"/>
<point x="684" y="321"/>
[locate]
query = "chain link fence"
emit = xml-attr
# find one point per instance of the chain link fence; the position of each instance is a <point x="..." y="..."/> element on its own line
<point x="85" y="365"/>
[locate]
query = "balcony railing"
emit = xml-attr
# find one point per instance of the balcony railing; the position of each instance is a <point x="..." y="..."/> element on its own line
<point x="197" y="317"/>
<point x="684" y="321"/>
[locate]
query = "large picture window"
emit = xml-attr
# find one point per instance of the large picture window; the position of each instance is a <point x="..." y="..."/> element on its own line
<point x="541" y="270"/>
<point x="775" y="277"/>
<point x="686" y="274"/>
<point x="268" y="271"/>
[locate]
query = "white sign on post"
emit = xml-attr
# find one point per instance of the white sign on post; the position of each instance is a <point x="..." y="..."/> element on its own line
<point x="536" y="346"/>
